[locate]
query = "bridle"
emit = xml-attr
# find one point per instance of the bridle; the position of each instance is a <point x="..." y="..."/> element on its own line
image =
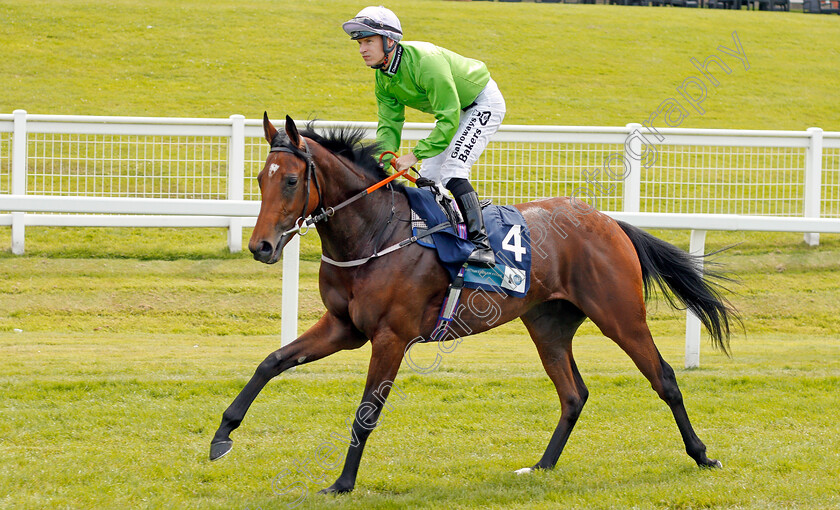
<point x="302" y="225"/>
<point x="280" y="144"/>
<point x="304" y="222"/>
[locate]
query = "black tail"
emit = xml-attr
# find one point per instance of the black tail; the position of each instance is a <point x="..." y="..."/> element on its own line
<point x="677" y="274"/>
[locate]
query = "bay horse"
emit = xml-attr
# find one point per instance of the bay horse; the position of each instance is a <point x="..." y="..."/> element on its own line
<point x="588" y="266"/>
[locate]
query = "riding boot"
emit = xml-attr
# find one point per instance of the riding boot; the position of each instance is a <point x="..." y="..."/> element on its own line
<point x="482" y="256"/>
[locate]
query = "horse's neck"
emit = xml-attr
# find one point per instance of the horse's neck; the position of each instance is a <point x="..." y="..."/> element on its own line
<point x="359" y="229"/>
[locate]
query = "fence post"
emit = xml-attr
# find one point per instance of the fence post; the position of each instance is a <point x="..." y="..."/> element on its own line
<point x="236" y="177"/>
<point x="19" y="147"/>
<point x="697" y="246"/>
<point x="633" y="179"/>
<point x="289" y="303"/>
<point x="813" y="181"/>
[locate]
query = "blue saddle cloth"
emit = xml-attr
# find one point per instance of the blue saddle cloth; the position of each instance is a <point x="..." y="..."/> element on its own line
<point x="509" y="239"/>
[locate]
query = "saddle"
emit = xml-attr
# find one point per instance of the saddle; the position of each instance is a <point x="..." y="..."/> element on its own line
<point x="509" y="238"/>
<point x="507" y="229"/>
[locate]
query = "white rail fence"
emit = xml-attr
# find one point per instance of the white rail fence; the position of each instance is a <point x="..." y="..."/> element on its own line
<point x="176" y="172"/>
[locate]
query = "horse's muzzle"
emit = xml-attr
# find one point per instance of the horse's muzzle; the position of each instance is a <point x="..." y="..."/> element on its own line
<point x="263" y="251"/>
<point x="268" y="253"/>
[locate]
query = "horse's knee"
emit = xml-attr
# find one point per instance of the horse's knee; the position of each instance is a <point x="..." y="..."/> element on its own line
<point x="572" y="406"/>
<point x="584" y="396"/>
<point x="269" y="368"/>
<point x="671" y="394"/>
<point x="367" y="417"/>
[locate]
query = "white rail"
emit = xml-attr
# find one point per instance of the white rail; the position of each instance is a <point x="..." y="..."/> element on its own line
<point x="175" y="172"/>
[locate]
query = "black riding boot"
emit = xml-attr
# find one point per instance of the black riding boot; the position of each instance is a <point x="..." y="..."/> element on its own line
<point x="482" y="256"/>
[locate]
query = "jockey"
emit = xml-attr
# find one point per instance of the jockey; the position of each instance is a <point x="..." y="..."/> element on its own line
<point x="458" y="91"/>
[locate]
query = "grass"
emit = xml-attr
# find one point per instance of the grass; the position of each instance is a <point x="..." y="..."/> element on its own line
<point x="122" y="347"/>
<point x="118" y="378"/>
<point x="121" y="420"/>
<point x="556" y="64"/>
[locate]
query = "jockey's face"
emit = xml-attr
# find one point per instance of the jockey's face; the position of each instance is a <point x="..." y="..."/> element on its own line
<point x="371" y="50"/>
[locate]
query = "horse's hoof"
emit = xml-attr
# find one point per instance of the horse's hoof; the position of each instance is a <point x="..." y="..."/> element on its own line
<point x="220" y="449"/>
<point x="523" y="471"/>
<point x="336" y="489"/>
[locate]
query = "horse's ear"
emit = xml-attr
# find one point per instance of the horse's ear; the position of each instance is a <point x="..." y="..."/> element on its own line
<point x="292" y="132"/>
<point x="268" y="127"/>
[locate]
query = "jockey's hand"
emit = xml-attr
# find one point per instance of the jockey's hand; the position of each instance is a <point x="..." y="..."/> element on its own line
<point x="405" y="161"/>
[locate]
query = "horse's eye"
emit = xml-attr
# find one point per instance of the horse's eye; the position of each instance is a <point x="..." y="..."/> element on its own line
<point x="292" y="181"/>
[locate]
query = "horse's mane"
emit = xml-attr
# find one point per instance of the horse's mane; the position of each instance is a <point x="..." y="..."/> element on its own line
<point x="347" y="141"/>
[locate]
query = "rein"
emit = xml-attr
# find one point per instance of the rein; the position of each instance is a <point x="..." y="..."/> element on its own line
<point x="304" y="222"/>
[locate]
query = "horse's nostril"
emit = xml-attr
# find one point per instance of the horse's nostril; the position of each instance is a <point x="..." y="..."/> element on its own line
<point x="263" y="249"/>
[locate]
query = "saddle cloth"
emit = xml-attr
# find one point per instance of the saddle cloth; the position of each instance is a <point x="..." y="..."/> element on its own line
<point x="509" y="239"/>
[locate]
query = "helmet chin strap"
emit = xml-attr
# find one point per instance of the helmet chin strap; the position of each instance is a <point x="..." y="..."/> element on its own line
<point x="387" y="49"/>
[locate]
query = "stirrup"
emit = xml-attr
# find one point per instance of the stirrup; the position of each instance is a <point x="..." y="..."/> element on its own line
<point x="482" y="258"/>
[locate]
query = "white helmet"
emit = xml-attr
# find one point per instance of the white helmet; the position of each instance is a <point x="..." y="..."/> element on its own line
<point x="374" y="21"/>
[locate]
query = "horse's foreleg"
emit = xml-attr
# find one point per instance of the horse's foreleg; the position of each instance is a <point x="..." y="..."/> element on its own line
<point x="385" y="361"/>
<point x="327" y="336"/>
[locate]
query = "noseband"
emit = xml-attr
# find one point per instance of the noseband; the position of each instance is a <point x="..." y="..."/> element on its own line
<point x="280" y="143"/>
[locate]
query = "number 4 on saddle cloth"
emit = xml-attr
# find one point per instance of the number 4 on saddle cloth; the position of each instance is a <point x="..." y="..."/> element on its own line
<point x="509" y="239"/>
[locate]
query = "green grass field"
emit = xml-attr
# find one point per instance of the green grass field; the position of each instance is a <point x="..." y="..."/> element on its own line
<point x="115" y="383"/>
<point x="555" y="63"/>
<point x="122" y="347"/>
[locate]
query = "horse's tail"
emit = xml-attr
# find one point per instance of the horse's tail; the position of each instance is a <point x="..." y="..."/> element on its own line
<point x="678" y="274"/>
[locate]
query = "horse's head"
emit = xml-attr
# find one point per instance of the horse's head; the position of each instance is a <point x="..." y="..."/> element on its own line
<point x="289" y="191"/>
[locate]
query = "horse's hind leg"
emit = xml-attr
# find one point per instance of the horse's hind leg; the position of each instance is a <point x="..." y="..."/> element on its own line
<point x="661" y="376"/>
<point x="621" y="317"/>
<point x="552" y="326"/>
<point x="673" y="397"/>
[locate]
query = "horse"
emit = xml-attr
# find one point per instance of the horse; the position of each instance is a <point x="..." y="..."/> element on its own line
<point x="589" y="266"/>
